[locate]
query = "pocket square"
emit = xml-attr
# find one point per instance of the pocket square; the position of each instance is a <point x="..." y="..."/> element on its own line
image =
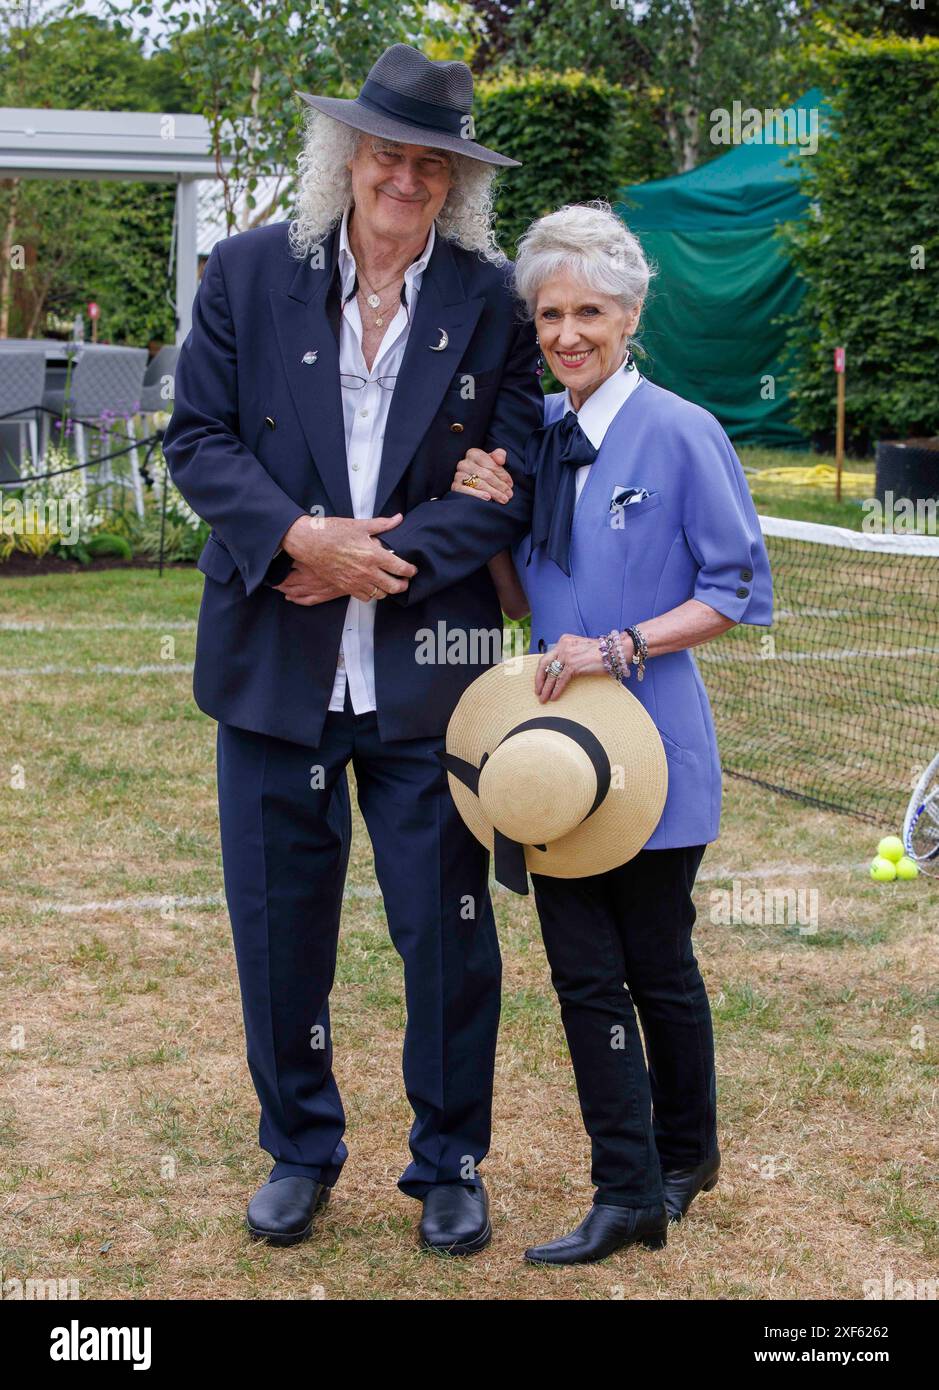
<point x="625" y="496"/>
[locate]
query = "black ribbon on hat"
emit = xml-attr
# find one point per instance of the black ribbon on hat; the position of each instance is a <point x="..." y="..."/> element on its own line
<point x="552" y="456"/>
<point x="509" y="855"/>
<point x="387" y="102"/>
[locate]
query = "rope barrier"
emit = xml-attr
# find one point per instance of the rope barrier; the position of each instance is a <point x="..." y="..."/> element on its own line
<point x="147" y="443"/>
<point x="149" y="440"/>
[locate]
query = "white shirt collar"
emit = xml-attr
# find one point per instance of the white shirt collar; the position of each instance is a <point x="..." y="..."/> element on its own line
<point x="412" y="275"/>
<point x="599" y="409"/>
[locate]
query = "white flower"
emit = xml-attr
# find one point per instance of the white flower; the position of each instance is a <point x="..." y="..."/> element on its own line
<point x="176" y="504"/>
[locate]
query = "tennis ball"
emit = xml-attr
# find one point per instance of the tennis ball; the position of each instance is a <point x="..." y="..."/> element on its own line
<point x="884" y="870"/>
<point x="891" y="847"/>
<point x="907" y="868"/>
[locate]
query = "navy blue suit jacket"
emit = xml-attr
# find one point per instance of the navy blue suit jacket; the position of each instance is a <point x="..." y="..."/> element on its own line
<point x="268" y="665"/>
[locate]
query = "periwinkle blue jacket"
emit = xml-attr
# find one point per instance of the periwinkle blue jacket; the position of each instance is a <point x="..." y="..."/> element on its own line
<point x="696" y="536"/>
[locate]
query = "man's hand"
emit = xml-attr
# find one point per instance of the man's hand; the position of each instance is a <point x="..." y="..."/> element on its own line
<point x="494" y="481"/>
<point x="304" y="586"/>
<point x="344" y="559"/>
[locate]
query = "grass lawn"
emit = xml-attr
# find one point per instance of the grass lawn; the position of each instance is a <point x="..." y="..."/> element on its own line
<point x="128" y="1123"/>
<point x="813" y="502"/>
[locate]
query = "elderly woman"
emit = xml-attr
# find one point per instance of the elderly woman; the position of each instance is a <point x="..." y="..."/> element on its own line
<point x="644" y="543"/>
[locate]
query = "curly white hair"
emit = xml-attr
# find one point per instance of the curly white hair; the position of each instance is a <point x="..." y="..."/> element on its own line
<point x="324" y="191"/>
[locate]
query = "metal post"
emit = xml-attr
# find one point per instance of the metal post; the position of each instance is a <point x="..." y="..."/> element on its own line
<point x="187" y="254"/>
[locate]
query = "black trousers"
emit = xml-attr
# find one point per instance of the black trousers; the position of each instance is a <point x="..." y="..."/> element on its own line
<point x="619" y="944"/>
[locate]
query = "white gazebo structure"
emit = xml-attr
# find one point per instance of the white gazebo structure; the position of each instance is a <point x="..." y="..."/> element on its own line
<point x="137" y="146"/>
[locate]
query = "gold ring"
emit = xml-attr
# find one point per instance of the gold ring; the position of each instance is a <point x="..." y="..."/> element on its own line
<point x="373" y="593"/>
<point x="472" y="480"/>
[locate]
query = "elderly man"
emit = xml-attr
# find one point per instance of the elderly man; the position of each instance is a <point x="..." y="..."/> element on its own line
<point x="338" y="368"/>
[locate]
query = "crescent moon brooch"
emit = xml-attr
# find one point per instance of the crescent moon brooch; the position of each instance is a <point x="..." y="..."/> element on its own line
<point x="444" y="340"/>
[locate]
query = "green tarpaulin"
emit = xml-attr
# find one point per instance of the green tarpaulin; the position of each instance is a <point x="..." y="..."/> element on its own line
<point x="710" y="326"/>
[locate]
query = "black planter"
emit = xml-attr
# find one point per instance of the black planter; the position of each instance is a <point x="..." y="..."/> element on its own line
<point x="908" y="469"/>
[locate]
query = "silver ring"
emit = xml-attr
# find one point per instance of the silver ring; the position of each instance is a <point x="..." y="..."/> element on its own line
<point x="554" y="668"/>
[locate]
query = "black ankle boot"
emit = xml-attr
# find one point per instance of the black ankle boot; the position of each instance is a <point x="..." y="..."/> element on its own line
<point x="603" y="1230"/>
<point x="682" y="1185"/>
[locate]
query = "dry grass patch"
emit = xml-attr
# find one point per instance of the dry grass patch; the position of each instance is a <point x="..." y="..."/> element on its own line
<point x="128" y="1124"/>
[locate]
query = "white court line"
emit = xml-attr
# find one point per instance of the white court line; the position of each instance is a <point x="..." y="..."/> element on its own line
<point x="709" y="658"/>
<point x="353" y="892"/>
<point x="778" y="871"/>
<point x="163" y="668"/>
<point x="145" y="625"/>
<point x="130" y="904"/>
<point x="780" y="614"/>
<point x="848" y="654"/>
<point x="156" y="903"/>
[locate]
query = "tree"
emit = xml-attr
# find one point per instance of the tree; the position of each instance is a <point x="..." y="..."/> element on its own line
<point x="77" y="233"/>
<point x="689" y="57"/>
<point x="245" y="59"/>
<point x="686" y="56"/>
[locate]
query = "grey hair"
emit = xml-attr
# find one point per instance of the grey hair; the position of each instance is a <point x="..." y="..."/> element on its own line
<point x="324" y="191"/>
<point x="589" y="240"/>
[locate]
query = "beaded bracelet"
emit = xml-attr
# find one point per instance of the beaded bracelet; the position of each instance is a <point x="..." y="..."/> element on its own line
<point x="641" y="650"/>
<point x="612" y="662"/>
<point x="624" y="663"/>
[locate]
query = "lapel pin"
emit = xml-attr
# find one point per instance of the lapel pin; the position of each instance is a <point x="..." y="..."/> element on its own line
<point x="309" y="358"/>
<point x="444" y="339"/>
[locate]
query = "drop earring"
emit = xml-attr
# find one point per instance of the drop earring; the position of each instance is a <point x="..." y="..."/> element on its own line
<point x="628" y="363"/>
<point x="539" y="370"/>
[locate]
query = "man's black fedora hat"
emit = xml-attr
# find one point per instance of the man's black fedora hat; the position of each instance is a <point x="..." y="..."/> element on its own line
<point x="411" y="99"/>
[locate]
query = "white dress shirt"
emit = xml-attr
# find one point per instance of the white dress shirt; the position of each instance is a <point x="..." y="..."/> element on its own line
<point x="365" y="414"/>
<point x="599" y="410"/>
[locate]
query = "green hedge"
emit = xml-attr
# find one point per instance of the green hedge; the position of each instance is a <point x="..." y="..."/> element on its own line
<point x="875" y="184"/>
<point x="578" y="138"/>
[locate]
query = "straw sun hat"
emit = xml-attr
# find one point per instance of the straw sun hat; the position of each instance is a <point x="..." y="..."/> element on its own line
<point x="567" y="788"/>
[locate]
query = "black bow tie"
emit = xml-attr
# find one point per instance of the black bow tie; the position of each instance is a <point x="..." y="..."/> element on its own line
<point x="553" y="456"/>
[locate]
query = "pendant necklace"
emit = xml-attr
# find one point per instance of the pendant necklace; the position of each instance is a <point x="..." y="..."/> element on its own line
<point x="373" y="299"/>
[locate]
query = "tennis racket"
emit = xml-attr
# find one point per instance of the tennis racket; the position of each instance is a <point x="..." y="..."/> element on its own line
<point x="921" y="825"/>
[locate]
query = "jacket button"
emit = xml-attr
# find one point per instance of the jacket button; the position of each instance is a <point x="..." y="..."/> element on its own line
<point x="456" y="427"/>
<point x="269" y="421"/>
<point x="746" y="574"/>
<point x="742" y="593"/>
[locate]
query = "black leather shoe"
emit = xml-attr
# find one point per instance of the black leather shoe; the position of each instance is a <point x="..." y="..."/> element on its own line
<point x="682" y="1185"/>
<point x="456" y="1219"/>
<point x="282" y="1212"/>
<point x="603" y="1230"/>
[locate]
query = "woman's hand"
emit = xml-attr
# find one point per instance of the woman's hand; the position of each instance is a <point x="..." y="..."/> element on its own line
<point x="580" y="656"/>
<point x="493" y="479"/>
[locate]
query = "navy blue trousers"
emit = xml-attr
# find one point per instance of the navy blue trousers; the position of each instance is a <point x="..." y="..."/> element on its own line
<point x="619" y="944"/>
<point x="285" y="828"/>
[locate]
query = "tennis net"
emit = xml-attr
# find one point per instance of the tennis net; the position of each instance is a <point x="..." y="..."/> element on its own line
<point x="838" y="702"/>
